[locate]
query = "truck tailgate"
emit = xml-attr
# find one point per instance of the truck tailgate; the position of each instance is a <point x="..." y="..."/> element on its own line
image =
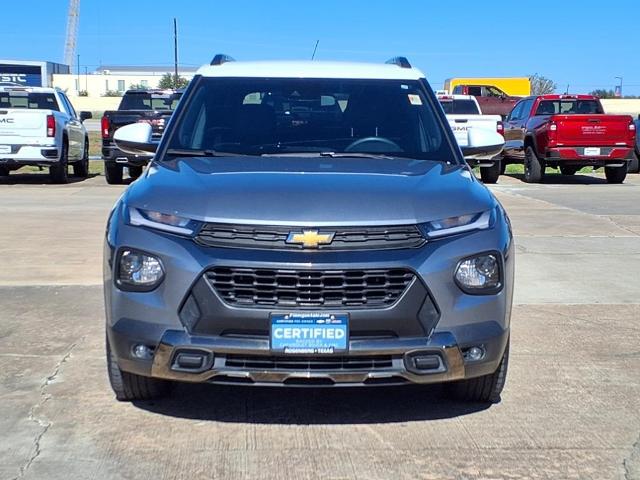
<point x="460" y="124"/>
<point x="592" y="130"/>
<point x="22" y="126"/>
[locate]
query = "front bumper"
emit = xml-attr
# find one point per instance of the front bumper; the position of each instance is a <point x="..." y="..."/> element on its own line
<point x="369" y="362"/>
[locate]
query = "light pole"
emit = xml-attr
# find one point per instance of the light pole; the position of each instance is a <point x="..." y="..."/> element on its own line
<point x="619" y="89"/>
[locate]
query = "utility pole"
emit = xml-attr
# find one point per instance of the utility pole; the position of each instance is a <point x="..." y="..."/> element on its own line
<point x="78" y="74"/>
<point x="175" y="52"/>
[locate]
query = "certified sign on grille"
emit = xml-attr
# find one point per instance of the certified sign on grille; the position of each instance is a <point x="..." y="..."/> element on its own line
<point x="309" y="333"/>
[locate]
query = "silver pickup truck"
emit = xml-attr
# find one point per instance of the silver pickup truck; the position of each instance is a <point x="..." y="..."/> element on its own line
<point x="39" y="126"/>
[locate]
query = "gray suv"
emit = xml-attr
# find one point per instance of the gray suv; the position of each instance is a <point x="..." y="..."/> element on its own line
<point x="308" y="224"/>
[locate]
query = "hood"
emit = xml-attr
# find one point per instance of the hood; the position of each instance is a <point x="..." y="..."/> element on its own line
<point x="309" y="191"/>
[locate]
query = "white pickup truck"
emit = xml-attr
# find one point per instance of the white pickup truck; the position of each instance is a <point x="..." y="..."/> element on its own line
<point x="463" y="113"/>
<point x="39" y="126"/>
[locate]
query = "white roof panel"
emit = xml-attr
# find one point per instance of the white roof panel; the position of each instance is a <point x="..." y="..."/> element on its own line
<point x="310" y="69"/>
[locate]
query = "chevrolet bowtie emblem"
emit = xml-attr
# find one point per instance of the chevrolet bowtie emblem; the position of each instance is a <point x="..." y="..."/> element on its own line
<point x="310" y="238"/>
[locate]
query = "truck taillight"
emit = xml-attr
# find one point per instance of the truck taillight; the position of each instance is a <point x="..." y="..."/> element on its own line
<point x="553" y="131"/>
<point x="104" y="126"/>
<point x="500" y="128"/>
<point x="51" y="126"/>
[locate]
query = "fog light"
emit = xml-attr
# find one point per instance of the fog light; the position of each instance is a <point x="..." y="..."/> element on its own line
<point x="142" y="351"/>
<point x="480" y="274"/>
<point x="474" y="354"/>
<point x="139" y="271"/>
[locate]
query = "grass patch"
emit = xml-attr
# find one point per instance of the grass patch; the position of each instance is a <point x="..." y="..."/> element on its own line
<point x="519" y="169"/>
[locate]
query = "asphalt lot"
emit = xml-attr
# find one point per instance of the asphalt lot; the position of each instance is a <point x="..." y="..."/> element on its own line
<point x="570" y="408"/>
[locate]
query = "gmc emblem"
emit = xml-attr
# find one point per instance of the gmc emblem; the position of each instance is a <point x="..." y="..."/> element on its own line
<point x="6" y="120"/>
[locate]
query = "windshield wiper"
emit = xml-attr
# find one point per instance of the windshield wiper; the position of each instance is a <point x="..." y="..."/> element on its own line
<point x="380" y="156"/>
<point x="189" y="152"/>
<point x="329" y="154"/>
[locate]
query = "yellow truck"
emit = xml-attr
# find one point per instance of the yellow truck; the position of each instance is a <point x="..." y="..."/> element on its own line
<point x="496" y="96"/>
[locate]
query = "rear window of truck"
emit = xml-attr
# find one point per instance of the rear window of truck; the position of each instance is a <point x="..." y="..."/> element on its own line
<point x="569" y="107"/>
<point x="32" y="100"/>
<point x="459" y="107"/>
<point x="149" y="101"/>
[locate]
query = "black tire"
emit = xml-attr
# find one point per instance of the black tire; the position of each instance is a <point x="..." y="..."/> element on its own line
<point x="135" y="172"/>
<point x="129" y="387"/>
<point x="113" y="172"/>
<point x="81" y="168"/>
<point x="634" y="164"/>
<point x="533" y="167"/>
<point x="503" y="167"/>
<point x="59" y="172"/>
<point x="490" y="174"/>
<point x="4" y="172"/>
<point x="485" y="389"/>
<point x="615" y="174"/>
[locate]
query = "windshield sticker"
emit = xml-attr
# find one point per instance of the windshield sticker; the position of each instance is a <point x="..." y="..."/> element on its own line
<point x="414" y="99"/>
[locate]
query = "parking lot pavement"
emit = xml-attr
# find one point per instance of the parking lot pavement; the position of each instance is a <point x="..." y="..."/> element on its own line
<point x="569" y="410"/>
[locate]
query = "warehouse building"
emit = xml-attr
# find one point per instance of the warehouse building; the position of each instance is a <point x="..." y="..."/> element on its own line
<point x="30" y="73"/>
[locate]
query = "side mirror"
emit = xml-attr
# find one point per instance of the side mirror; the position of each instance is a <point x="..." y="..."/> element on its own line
<point x="135" y="139"/>
<point x="482" y="144"/>
<point x="85" y="116"/>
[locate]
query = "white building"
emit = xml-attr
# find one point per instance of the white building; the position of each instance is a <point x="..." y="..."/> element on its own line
<point x="115" y="79"/>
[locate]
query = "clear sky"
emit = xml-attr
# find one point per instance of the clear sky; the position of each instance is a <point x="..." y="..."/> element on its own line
<point x="581" y="43"/>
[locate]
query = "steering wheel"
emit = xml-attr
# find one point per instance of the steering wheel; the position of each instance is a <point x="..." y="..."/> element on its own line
<point x="373" y="144"/>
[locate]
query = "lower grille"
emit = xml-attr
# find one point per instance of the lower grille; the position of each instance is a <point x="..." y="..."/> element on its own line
<point x="309" y="288"/>
<point x="367" y="363"/>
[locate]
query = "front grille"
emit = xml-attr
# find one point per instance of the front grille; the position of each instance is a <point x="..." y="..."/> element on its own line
<point x="275" y="237"/>
<point x="367" y="363"/>
<point x="309" y="288"/>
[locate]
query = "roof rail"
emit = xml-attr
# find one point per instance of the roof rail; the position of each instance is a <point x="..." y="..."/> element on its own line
<point x="221" y="58"/>
<point x="402" y="62"/>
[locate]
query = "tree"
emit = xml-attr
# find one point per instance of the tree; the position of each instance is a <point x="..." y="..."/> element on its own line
<point x="169" y="80"/>
<point x="541" y="85"/>
<point x="603" y="93"/>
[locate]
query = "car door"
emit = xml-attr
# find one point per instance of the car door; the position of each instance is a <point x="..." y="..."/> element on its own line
<point x="520" y="127"/>
<point x="512" y="126"/>
<point x="75" y="130"/>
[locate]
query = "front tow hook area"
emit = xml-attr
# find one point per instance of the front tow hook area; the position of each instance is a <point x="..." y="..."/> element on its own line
<point x="183" y="357"/>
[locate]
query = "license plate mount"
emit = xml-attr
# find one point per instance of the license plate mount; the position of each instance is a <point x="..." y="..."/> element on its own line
<point x="592" y="151"/>
<point x="309" y="333"/>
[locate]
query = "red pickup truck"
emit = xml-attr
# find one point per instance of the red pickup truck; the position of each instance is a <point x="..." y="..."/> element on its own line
<point x="567" y="132"/>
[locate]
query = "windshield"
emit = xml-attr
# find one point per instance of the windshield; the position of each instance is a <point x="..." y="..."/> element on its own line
<point x="569" y="107"/>
<point x="256" y="116"/>
<point x="149" y="101"/>
<point x="24" y="99"/>
<point x="459" y="107"/>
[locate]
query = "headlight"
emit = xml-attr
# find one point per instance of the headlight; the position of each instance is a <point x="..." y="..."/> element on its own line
<point x="162" y="221"/>
<point x="455" y="225"/>
<point x="480" y="274"/>
<point x="138" y="271"/>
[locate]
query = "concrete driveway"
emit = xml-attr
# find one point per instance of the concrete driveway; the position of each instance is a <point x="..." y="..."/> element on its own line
<point x="570" y="408"/>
